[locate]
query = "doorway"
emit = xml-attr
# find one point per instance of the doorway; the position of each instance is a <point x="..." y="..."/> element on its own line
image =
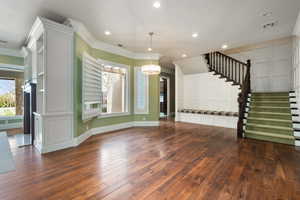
<point x="164" y="97"/>
<point x="11" y="102"/>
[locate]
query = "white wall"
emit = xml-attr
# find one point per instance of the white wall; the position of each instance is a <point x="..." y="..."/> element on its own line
<point x="296" y="59"/>
<point x="271" y="69"/>
<point x="179" y="83"/>
<point x="203" y="90"/>
<point x="207" y="91"/>
<point x="193" y="65"/>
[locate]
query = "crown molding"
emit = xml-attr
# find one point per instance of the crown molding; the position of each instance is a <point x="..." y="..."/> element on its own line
<point x="297" y="26"/>
<point x="10" y="67"/>
<point x="10" y="52"/>
<point x="83" y="32"/>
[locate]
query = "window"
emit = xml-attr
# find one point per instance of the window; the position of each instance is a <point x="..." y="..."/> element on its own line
<point x="105" y="88"/>
<point x="7" y="97"/>
<point x="114" y="90"/>
<point x="141" y="92"/>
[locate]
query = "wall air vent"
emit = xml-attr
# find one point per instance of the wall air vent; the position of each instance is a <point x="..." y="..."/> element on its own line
<point x="270" y="25"/>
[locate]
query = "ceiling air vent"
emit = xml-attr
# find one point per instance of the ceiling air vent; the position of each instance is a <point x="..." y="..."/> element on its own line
<point x="2" y="42"/>
<point x="270" y="25"/>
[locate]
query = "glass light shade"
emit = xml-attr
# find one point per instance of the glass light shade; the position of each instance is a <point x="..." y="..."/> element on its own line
<point x="151" y="69"/>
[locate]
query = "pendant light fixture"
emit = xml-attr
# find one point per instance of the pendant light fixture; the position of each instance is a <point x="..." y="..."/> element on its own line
<point x="151" y="69"/>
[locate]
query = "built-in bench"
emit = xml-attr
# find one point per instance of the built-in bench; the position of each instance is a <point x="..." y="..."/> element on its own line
<point x="208" y="117"/>
<point x="8" y="122"/>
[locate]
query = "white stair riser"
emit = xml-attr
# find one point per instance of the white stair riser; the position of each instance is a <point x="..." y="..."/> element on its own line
<point x="296" y="125"/>
<point x="297" y="134"/>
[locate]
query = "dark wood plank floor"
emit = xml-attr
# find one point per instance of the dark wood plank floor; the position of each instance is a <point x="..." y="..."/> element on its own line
<point x="175" y="161"/>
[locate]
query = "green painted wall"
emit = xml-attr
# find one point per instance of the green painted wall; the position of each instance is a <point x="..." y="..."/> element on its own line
<point x="13" y="60"/>
<point x="81" y="126"/>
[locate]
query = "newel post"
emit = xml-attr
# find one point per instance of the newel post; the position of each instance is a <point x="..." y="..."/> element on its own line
<point x="241" y="116"/>
<point x="242" y="100"/>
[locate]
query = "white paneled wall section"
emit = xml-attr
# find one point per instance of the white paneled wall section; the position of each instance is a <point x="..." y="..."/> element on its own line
<point x="208" y="92"/>
<point x="296" y="59"/>
<point x="271" y="65"/>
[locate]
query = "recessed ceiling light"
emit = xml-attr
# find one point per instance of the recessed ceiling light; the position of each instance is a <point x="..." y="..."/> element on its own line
<point x="224" y="46"/>
<point x="194" y="35"/>
<point x="183" y="55"/>
<point x="156" y="4"/>
<point x="149" y="49"/>
<point x="107" y="32"/>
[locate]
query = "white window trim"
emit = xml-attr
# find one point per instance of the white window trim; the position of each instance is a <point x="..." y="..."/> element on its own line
<point x="127" y="87"/>
<point x="146" y="112"/>
<point x="168" y="94"/>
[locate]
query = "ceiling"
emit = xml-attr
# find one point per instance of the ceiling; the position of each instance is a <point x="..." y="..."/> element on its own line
<point x="233" y="22"/>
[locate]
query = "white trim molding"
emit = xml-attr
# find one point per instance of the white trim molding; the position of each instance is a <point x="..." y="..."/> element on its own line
<point x="297" y="143"/>
<point x="211" y="120"/>
<point x="296" y="30"/>
<point x="10" y="52"/>
<point x="94" y="131"/>
<point x="83" y="32"/>
<point x="10" y="67"/>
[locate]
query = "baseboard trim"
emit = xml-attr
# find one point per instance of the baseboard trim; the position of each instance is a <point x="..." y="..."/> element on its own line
<point x="105" y="129"/>
<point x="94" y="131"/>
<point x="57" y="147"/>
<point x="78" y="140"/>
<point x="145" y="123"/>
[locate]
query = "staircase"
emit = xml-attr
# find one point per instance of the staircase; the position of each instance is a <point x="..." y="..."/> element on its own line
<point x="236" y="72"/>
<point x="269" y="117"/>
<point x="262" y="116"/>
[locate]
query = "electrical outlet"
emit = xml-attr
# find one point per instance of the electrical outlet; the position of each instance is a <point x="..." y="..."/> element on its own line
<point x="87" y="127"/>
<point x="144" y="118"/>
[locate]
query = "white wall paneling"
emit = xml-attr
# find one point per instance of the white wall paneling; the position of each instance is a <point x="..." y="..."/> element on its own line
<point x="179" y="92"/>
<point x="206" y="91"/>
<point x="211" y="120"/>
<point x="52" y="50"/>
<point x="271" y="65"/>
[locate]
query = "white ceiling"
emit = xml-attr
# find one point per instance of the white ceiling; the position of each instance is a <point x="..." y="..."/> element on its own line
<point x="235" y="22"/>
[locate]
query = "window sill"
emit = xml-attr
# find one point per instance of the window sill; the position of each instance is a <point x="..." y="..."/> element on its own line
<point x="113" y="115"/>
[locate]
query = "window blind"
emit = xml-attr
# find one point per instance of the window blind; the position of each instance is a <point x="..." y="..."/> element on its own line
<point x="91" y="87"/>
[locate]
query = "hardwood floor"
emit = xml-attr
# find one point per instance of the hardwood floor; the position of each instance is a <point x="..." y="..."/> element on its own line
<point x="173" y="161"/>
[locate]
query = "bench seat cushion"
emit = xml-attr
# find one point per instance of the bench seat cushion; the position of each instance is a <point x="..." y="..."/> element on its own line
<point x="209" y="112"/>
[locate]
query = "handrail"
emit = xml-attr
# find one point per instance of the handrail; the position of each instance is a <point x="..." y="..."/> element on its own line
<point x="232" y="58"/>
<point x="237" y="72"/>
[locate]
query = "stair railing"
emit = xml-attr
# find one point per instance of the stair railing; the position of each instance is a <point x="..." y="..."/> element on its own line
<point x="236" y="72"/>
